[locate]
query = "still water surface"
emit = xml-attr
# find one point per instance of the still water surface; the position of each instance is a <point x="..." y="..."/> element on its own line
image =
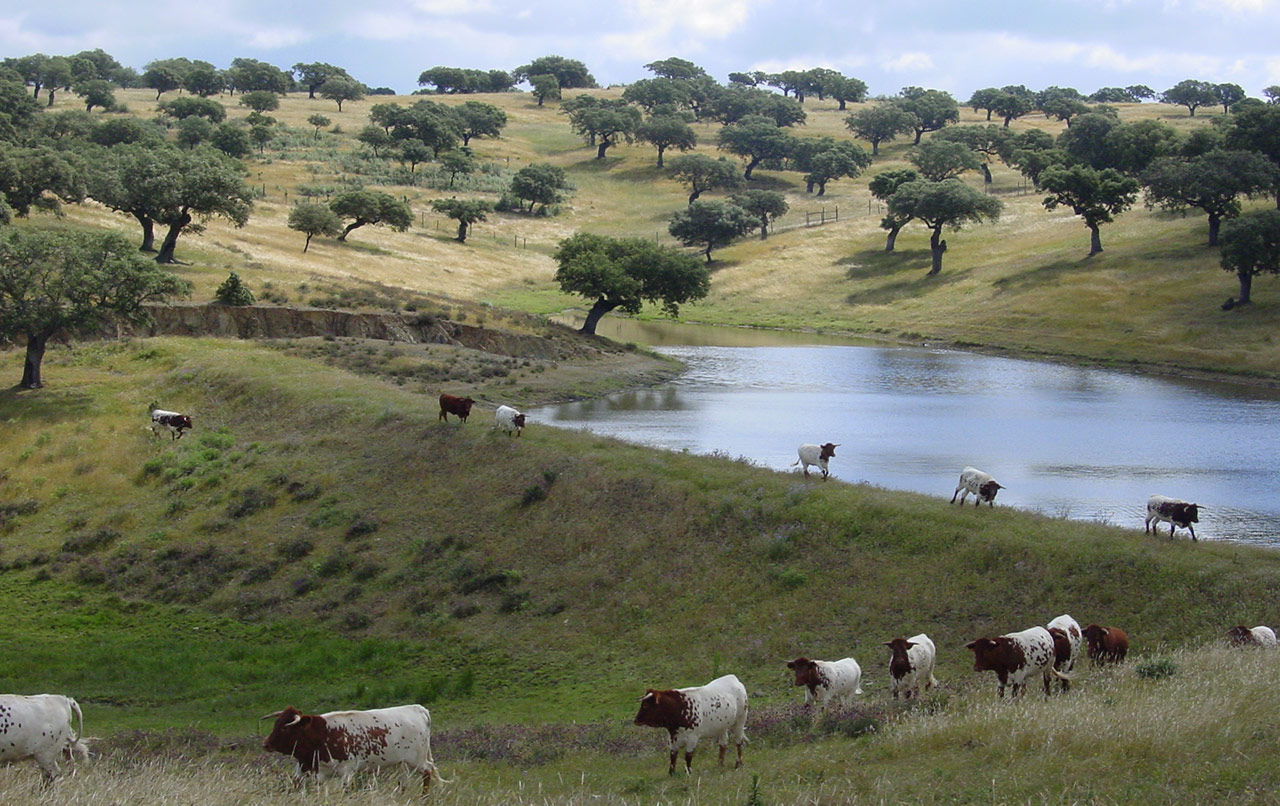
<point x="1067" y="441"/>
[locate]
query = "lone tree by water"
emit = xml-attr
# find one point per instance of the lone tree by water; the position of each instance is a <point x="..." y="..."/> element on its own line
<point x="1251" y="247"/>
<point x="624" y="273"/>
<point x="63" y="281"/>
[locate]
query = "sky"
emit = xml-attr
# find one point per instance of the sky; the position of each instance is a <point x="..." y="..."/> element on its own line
<point x="952" y="45"/>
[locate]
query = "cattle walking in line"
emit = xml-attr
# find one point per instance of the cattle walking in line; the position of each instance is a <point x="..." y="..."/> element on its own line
<point x="508" y="420"/>
<point x="818" y="456"/>
<point x="1016" y="656"/>
<point x="459" y="407"/>
<point x="39" y="727"/>
<point x="342" y="743"/>
<point x="172" y="420"/>
<point x="1068" y="639"/>
<point x="1173" y="512"/>
<point x="1106" y="644"/>
<point x="1257" y="636"/>
<point x="717" y="711"/>
<point x="825" y="680"/>
<point x="911" y="665"/>
<point x="983" y="487"/>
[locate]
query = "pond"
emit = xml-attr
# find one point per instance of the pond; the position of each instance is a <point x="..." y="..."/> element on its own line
<point x="1067" y="441"/>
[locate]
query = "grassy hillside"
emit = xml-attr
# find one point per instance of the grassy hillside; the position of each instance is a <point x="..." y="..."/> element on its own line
<point x="1022" y="284"/>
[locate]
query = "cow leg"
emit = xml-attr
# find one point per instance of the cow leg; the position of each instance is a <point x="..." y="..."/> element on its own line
<point x="739" y="764"/>
<point x="688" y="761"/>
<point x="1192" y="530"/>
<point x="805" y="468"/>
<point x="723" y="748"/>
<point x="953" y="495"/>
<point x="1171" y="528"/>
<point x="672" y="769"/>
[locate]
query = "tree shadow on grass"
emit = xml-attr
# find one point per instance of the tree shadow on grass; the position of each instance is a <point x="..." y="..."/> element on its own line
<point x="641" y="173"/>
<point x="591" y="165"/>
<point x="872" y="263"/>
<point x="909" y="286"/>
<point x="1040" y="276"/>
<point x="48" y="407"/>
<point x="768" y="182"/>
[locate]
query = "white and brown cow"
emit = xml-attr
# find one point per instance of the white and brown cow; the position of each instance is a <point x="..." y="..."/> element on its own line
<point x="911" y="665"/>
<point x="983" y="487"/>
<point x="1068" y="640"/>
<point x="508" y="420"/>
<point x="39" y="726"/>
<point x="825" y="680"/>
<point x="717" y="711"/>
<point x="817" y="455"/>
<point x="342" y="743"/>
<point x="172" y="420"/>
<point x="1016" y="656"/>
<point x="1162" y="508"/>
<point x="1253" y="636"/>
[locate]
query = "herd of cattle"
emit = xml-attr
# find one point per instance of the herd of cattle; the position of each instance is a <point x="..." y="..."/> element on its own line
<point x="50" y="727"/>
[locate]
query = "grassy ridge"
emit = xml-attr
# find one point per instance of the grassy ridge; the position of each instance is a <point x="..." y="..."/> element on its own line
<point x="320" y="539"/>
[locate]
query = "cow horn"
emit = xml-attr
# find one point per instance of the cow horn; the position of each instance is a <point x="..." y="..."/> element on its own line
<point x="270" y="716"/>
<point x="296" y="719"/>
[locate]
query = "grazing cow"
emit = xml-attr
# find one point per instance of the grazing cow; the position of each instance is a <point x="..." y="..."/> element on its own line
<point x="1106" y="644"/>
<point x="509" y="420"/>
<point x="983" y="487"/>
<point x="1016" y="656"/>
<point x="343" y="742"/>
<point x="457" y="406"/>
<point x="1258" y="636"/>
<point x="817" y="455"/>
<point x="911" y="667"/>
<point x="717" y="711"/>
<point x="40" y="727"/>
<point x="172" y="420"/>
<point x="825" y="680"/>
<point x="1067" y="641"/>
<point x="1172" y="511"/>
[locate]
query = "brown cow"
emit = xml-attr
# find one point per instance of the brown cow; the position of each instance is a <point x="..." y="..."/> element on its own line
<point x="457" y="406"/>
<point x="1106" y="644"/>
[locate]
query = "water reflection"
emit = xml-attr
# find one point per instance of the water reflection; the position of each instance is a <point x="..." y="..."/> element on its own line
<point x="1066" y="441"/>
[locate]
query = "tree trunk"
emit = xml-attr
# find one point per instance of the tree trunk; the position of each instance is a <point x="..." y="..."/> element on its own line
<point x="51" y="92"/>
<point x="599" y="309"/>
<point x="35" y="355"/>
<point x="660" y="150"/>
<point x="936" y="247"/>
<point x="822" y="188"/>
<point x="1215" y="223"/>
<point x="462" y="232"/>
<point x="919" y="134"/>
<point x="808" y="186"/>
<point x="355" y="224"/>
<point x="1095" y="239"/>
<point x="694" y="196"/>
<point x="604" y="144"/>
<point x="1246" y="285"/>
<point x="171" y="240"/>
<point x="306" y="245"/>
<point x="148" y="233"/>
<point x="875" y="148"/>
<point x="764" y="227"/>
<point x="986" y="173"/>
<point x="842" y="109"/>
<point x="708" y="253"/>
<point x="751" y="166"/>
<point x="988" y="115"/>
<point x="340" y="107"/>
<point x="893" y="237"/>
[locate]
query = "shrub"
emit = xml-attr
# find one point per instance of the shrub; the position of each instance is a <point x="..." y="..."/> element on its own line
<point x="233" y="292"/>
<point x="1156" y="669"/>
<point x="296" y="549"/>
<point x="87" y="544"/>
<point x="252" y="499"/>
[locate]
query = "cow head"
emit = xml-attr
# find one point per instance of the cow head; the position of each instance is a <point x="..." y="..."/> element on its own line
<point x="518" y="421"/>
<point x="996" y="654"/>
<point x="664" y="709"/>
<point x="1061" y="646"/>
<point x="987" y="491"/>
<point x="828" y="450"/>
<point x="465" y="404"/>
<point x="1240" y="636"/>
<point x="1094" y="636"/>
<point x="1184" y="513"/>
<point x="295" y="733"/>
<point x="806" y="671"/>
<point x="900" y="663"/>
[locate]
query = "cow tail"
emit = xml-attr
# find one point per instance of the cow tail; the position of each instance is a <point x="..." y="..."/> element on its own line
<point x="796" y="462"/>
<point x="1061" y="675"/>
<point x="75" y="709"/>
<point x="434" y="772"/>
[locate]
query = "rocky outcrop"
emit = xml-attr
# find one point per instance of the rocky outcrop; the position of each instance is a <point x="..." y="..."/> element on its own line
<point x="272" y="322"/>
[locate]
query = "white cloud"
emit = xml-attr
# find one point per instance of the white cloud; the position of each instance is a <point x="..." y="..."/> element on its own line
<point x="908" y="62"/>
<point x="274" y="38"/>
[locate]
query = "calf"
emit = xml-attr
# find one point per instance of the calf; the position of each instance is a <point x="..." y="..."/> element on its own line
<point x="1016" y="656"/>
<point x="983" y="487"/>
<point x="717" y="711"/>
<point x="1172" y="511"/>
<point x="1067" y="641"/>
<point x="460" y="407"/>
<point x="509" y="420"/>
<point x="1106" y="644"/>
<point x="825" y="680"/>
<point x="172" y="420"/>
<point x="817" y="455"/>
<point x="1258" y="636"/>
<point x="911" y="666"/>
<point x="344" y="742"/>
<point x="40" y="727"/>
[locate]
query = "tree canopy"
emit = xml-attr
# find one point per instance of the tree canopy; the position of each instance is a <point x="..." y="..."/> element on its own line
<point x="703" y="173"/>
<point x="1191" y="93"/>
<point x="340" y="89"/>
<point x="931" y="109"/>
<point x="949" y="203"/>
<point x="667" y="131"/>
<point x="540" y="183"/>
<point x="1251" y="248"/>
<point x="371" y="207"/>
<point x="766" y="205"/>
<point x="311" y="219"/>
<point x="1212" y="182"/>
<point x="465" y="211"/>
<point x="602" y="122"/>
<point x="882" y="186"/>
<point x="624" y="273"/>
<point x="756" y="139"/>
<point x="67" y="280"/>
<point x="1097" y="196"/>
<point x="710" y="225"/>
<point x="570" y="74"/>
<point x="879" y="123"/>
